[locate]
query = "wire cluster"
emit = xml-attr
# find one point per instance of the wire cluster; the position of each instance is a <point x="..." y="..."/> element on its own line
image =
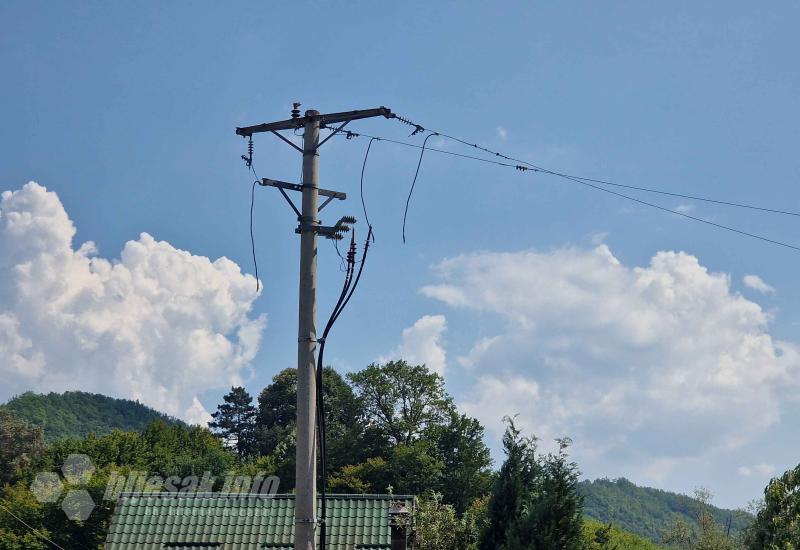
<point x="348" y="288"/>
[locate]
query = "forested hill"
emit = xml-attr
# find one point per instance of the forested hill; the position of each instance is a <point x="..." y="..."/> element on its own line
<point x="646" y="511"/>
<point x="76" y="413"/>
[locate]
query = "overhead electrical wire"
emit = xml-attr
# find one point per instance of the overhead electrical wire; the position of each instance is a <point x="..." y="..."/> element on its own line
<point x="525" y="166"/>
<point x="604" y="182"/>
<point x="685" y="215"/>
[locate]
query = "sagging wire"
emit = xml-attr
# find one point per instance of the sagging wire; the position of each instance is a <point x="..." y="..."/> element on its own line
<point x="416" y="174"/>
<point x="363" y="167"/>
<point x="248" y="161"/>
<point x="348" y="288"/>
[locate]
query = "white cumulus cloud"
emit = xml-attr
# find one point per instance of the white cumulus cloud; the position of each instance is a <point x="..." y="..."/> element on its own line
<point x="422" y="344"/>
<point x="158" y="324"/>
<point x="640" y="365"/>
<point x="757" y="283"/>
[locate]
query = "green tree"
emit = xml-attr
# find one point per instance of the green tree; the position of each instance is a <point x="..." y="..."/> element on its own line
<point x="605" y="536"/>
<point x="514" y="481"/>
<point x="235" y="421"/>
<point x="277" y="411"/>
<point x="777" y="524"/>
<point x="409" y="469"/>
<point x="466" y="473"/>
<point x="21" y="445"/>
<point x="401" y="401"/>
<point x="276" y="422"/>
<point x="552" y="512"/>
<point x="18" y="507"/>
<point x="438" y="526"/>
<point x="707" y="535"/>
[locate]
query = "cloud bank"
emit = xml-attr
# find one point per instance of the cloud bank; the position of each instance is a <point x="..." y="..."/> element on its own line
<point x="159" y="324"/>
<point x="640" y="365"/>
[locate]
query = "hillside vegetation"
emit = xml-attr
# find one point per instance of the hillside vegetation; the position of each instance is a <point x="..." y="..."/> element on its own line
<point x="602" y="535"/>
<point x="77" y="414"/>
<point x="646" y="511"/>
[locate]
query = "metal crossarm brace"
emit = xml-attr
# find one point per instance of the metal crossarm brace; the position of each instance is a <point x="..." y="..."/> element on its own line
<point x="288" y="141"/>
<point x="297" y="187"/>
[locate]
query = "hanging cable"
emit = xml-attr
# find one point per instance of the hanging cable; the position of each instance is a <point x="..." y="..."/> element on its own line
<point x="348" y="288"/>
<point x="363" y="167"/>
<point x="248" y="160"/>
<point x="252" y="237"/>
<point x="413" y="183"/>
<point x="321" y="428"/>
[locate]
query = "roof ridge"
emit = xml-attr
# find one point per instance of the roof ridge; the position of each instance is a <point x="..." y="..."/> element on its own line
<point x="218" y="494"/>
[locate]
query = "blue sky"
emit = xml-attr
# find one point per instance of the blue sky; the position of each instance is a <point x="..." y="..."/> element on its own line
<point x="127" y="112"/>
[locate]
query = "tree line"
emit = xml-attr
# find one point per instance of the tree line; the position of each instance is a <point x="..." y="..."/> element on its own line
<point x="391" y="428"/>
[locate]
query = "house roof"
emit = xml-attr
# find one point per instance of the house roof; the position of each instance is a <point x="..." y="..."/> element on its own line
<point x="214" y="521"/>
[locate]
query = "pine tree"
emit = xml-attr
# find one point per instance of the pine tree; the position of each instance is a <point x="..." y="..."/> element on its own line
<point x="235" y="421"/>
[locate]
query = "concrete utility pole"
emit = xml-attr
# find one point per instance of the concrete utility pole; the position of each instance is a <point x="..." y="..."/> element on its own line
<point x="309" y="227"/>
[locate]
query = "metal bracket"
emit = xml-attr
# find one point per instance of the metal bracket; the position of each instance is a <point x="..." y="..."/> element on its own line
<point x="288" y="141"/>
<point x="297" y="187"/>
<point x="324" y="204"/>
<point x="334" y="232"/>
<point x="282" y="185"/>
<point x="285" y="196"/>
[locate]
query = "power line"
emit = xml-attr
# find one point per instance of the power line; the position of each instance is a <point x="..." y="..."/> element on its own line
<point x="690" y="197"/>
<point x="604" y="182"/>
<point x="349" y="135"/>
<point x="589" y="182"/>
<point x="34" y="531"/>
<point x="678" y="213"/>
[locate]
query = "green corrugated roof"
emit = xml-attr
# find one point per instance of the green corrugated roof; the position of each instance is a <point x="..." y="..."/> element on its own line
<point x="214" y="521"/>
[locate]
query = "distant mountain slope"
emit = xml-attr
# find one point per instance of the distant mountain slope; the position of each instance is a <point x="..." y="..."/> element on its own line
<point x="76" y="413"/>
<point x="645" y="511"/>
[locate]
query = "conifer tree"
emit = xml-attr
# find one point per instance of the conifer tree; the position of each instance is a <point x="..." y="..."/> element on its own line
<point x="552" y="512"/>
<point x="235" y="421"/>
<point x="513" y="483"/>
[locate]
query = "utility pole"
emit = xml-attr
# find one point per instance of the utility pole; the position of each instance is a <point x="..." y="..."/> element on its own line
<point x="309" y="227"/>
